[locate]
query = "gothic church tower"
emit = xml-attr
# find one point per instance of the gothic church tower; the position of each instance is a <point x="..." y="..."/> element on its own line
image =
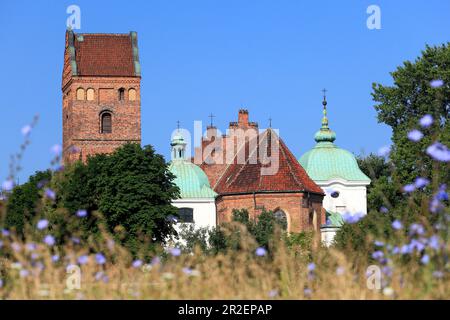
<point x="101" y="94"/>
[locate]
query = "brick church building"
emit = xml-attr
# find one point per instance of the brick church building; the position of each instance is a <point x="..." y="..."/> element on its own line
<point x="101" y="111"/>
<point x="101" y="93"/>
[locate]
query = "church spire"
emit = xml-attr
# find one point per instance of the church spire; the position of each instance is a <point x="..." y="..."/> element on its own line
<point x="325" y="134"/>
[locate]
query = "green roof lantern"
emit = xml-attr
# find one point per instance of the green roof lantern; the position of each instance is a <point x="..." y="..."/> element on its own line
<point x="190" y="178"/>
<point x="326" y="161"/>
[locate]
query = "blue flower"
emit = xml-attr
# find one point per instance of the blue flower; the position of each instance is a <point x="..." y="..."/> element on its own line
<point x="378" y="243"/>
<point x="395" y="250"/>
<point x="175" y="252"/>
<point x="426" y="121"/>
<point x="377" y="255"/>
<point x="49" y="240"/>
<point x="383" y="209"/>
<point x="50" y="194"/>
<point x="425" y="259"/>
<point x="8" y="185"/>
<point x="155" y="260"/>
<point x="55" y="258"/>
<point x="260" y="252"/>
<point x="137" y="263"/>
<point x="439" y="152"/>
<point x="442" y="195"/>
<point x="415" y="135"/>
<point x="340" y="271"/>
<point x="352" y="217"/>
<point x="384" y="151"/>
<point x="1" y="283"/>
<point x="416" y="228"/>
<point x="416" y="245"/>
<point x="31" y="246"/>
<point x="42" y="224"/>
<point x="83" y="259"/>
<point x="56" y="149"/>
<point x="26" y="130"/>
<point x="75" y="240"/>
<point x="433" y="242"/>
<point x="409" y="188"/>
<point x="437" y="83"/>
<point x="100" y="258"/>
<point x="406" y="249"/>
<point x="421" y="182"/>
<point x="187" y="271"/>
<point x="5" y="232"/>
<point x="397" y="225"/>
<point x="24" y="273"/>
<point x="311" y="267"/>
<point x="81" y="213"/>
<point x="307" y="292"/>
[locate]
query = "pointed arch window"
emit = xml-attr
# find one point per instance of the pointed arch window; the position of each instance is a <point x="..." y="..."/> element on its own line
<point x="121" y="94"/>
<point x="106" y="122"/>
<point x="281" y="219"/>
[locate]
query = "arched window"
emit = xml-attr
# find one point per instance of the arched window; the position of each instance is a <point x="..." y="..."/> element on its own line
<point x="106" y="122"/>
<point x="80" y="94"/>
<point x="90" y="94"/>
<point x="281" y="218"/>
<point x="186" y="215"/>
<point x="132" y="94"/>
<point x="121" y="94"/>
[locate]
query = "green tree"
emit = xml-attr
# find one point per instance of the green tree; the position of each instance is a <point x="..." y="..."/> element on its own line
<point x="132" y="188"/>
<point x="23" y="203"/>
<point x="402" y="104"/>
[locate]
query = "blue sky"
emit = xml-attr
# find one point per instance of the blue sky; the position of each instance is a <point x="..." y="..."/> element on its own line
<point x="200" y="57"/>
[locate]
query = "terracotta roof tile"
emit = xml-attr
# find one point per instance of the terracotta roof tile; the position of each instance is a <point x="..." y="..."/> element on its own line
<point x="104" y="54"/>
<point x="248" y="177"/>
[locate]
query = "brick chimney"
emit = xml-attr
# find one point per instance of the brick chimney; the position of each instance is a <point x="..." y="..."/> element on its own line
<point x="243" y="118"/>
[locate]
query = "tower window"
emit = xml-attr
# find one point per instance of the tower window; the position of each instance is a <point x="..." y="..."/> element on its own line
<point x="106" y="125"/>
<point x="132" y="94"/>
<point x="80" y="94"/>
<point x="90" y="94"/>
<point x="121" y="94"/>
<point x="186" y="215"/>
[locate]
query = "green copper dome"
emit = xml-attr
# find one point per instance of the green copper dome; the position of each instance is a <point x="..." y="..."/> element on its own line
<point x="326" y="161"/>
<point x="190" y="178"/>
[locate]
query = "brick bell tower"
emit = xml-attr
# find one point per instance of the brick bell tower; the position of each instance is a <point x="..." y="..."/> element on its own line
<point x="101" y="94"/>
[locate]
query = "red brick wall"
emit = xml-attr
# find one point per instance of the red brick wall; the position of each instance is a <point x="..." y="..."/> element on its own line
<point x="81" y="118"/>
<point x="291" y="203"/>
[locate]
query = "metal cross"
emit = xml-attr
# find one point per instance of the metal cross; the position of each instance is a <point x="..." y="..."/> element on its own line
<point x="324" y="93"/>
<point x="211" y="116"/>
<point x="270" y="122"/>
<point x="178" y="125"/>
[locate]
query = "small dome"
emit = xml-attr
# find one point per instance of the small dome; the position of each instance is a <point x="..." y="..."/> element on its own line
<point x="191" y="180"/>
<point x="327" y="162"/>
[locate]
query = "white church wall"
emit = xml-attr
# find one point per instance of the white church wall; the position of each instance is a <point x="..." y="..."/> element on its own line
<point x="352" y="197"/>
<point x="204" y="210"/>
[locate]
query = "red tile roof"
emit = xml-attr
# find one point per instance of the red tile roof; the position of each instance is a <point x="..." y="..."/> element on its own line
<point x="247" y="177"/>
<point x="104" y="55"/>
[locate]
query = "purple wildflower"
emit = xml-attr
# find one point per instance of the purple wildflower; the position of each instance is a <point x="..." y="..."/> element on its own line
<point x="311" y="267"/>
<point x="260" y="252"/>
<point x="175" y="252"/>
<point x="56" y="149"/>
<point x="425" y="259"/>
<point x="433" y="242"/>
<point x="100" y="258"/>
<point x="75" y="240"/>
<point x="81" y="213"/>
<point x="352" y="217"/>
<point x="426" y="121"/>
<point x="397" y="225"/>
<point x="383" y="209"/>
<point x="307" y="292"/>
<point x="55" y="258"/>
<point x="437" y="83"/>
<point x="416" y="228"/>
<point x="378" y="243"/>
<point x="384" y="151"/>
<point x="187" y="271"/>
<point x="49" y="240"/>
<point x="42" y="224"/>
<point x="273" y="293"/>
<point x="439" y="152"/>
<point x="5" y="232"/>
<point x="137" y="263"/>
<point x="50" y="194"/>
<point x="83" y="259"/>
<point x="155" y="260"/>
<point x="421" y="182"/>
<point x="26" y="130"/>
<point x="395" y="250"/>
<point x="409" y="188"/>
<point x="8" y="185"/>
<point x="340" y="271"/>
<point x="24" y="273"/>
<point x="31" y="246"/>
<point x="415" y="135"/>
<point x="377" y="255"/>
<point x="406" y="249"/>
<point x="442" y="195"/>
